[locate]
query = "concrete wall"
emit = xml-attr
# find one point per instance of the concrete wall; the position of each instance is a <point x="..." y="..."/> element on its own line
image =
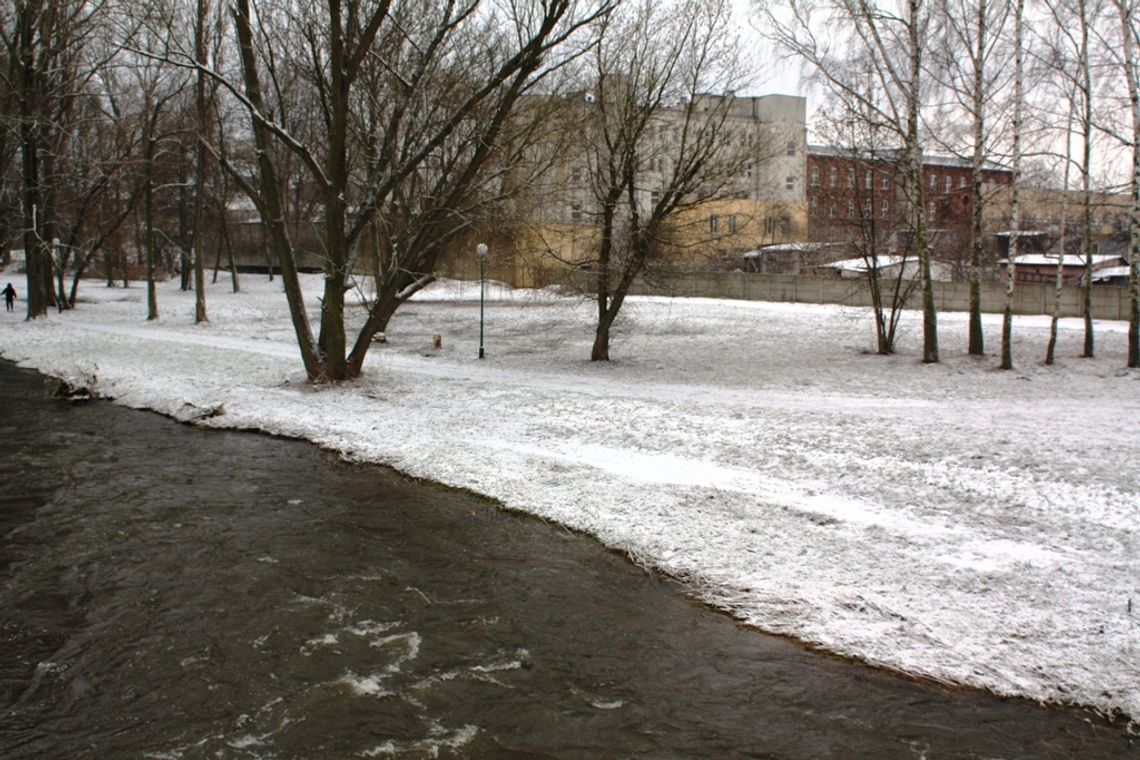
<point x="1109" y="302"/>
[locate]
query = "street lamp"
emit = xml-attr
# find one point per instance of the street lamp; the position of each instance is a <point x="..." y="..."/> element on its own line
<point x="481" y="249"/>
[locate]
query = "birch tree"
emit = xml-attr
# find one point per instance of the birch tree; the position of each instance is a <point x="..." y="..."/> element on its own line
<point x="969" y="64"/>
<point x="1070" y="56"/>
<point x="1130" y="66"/>
<point x="871" y="54"/>
<point x="1015" y="213"/>
<point x="1063" y="235"/>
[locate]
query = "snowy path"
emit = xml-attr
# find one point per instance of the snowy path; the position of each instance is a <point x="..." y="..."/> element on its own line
<point x="972" y="526"/>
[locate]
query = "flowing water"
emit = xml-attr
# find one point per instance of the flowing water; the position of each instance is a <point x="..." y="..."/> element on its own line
<point x="169" y="592"/>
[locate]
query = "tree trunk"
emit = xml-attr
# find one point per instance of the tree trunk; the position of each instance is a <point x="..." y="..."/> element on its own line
<point x="273" y="207"/>
<point x="148" y="216"/>
<point x="1059" y="282"/>
<point x="1015" y="215"/>
<point x="202" y="107"/>
<point x="1132" y="74"/>
<point x="1086" y="176"/>
<point x="976" y="340"/>
<point x="914" y="150"/>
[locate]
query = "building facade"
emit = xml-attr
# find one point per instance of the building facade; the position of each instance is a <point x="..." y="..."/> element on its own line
<point x="857" y="202"/>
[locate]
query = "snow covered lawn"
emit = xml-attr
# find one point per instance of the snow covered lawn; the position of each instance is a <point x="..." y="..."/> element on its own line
<point x="951" y="520"/>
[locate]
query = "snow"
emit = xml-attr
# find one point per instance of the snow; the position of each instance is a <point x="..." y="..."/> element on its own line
<point x="950" y="520"/>
<point x="1109" y="272"/>
<point x="1050" y="260"/>
<point x="861" y="265"/>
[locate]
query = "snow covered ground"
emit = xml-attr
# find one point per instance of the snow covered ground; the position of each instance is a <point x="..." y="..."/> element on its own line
<point x="952" y="520"/>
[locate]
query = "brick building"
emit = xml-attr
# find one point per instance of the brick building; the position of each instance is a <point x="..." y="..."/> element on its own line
<point x="857" y="200"/>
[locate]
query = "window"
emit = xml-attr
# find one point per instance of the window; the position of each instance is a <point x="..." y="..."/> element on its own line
<point x="769" y="225"/>
<point x="791" y="147"/>
<point x="886" y="209"/>
<point x="833" y="176"/>
<point x="576" y="211"/>
<point x="714" y="223"/>
<point x="654" y="198"/>
<point x="732" y="224"/>
<point x="885" y="181"/>
<point x="868" y="179"/>
<point x="850" y="208"/>
<point x="850" y="178"/>
<point x="815" y="203"/>
<point x="790" y="183"/>
<point x="947" y="183"/>
<point x="933" y="181"/>
<point x="962" y="181"/>
<point x="831" y="209"/>
<point x="931" y="212"/>
<point x="815" y="176"/>
<point x="868" y="209"/>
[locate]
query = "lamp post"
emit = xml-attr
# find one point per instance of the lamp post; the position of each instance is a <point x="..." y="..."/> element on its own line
<point x="481" y="249"/>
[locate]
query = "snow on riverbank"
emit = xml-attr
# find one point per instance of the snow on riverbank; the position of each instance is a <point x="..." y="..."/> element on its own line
<point x="951" y="520"/>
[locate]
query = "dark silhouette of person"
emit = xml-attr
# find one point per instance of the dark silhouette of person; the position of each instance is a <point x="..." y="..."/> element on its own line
<point x="9" y="296"/>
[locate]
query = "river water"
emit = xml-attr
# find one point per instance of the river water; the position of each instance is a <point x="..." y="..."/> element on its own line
<point x="170" y="592"/>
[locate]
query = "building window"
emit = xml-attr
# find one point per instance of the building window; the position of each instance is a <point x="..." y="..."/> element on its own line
<point x="831" y="209"/>
<point x="885" y="182"/>
<point x="792" y="148"/>
<point x="962" y="181"/>
<point x="790" y="183"/>
<point x="850" y="208"/>
<point x="886" y="209"/>
<point x="933" y="181"/>
<point x="714" y="223"/>
<point x="868" y="179"/>
<point x="815" y="176"/>
<point x="931" y="212"/>
<point x="815" y="203"/>
<point x="732" y="224"/>
<point x="948" y="183"/>
<point x="850" y="178"/>
<point x="868" y="209"/>
<point x="576" y="211"/>
<point x="833" y="176"/>
<point x="654" y="198"/>
<point x="769" y="225"/>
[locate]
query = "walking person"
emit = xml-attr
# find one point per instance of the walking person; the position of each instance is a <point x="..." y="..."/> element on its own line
<point x="9" y="296"/>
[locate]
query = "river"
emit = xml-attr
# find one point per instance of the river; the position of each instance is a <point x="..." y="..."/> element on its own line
<point x="169" y="592"/>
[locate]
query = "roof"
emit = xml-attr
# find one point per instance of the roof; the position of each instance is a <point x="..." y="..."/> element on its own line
<point x="893" y="154"/>
<point x="785" y="248"/>
<point x="860" y="264"/>
<point x="1109" y="273"/>
<point x="1048" y="259"/>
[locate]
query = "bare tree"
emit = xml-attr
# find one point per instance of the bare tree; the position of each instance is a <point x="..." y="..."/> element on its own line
<point x="1070" y="52"/>
<point x="1015" y="215"/>
<point x="660" y="145"/>
<point x="437" y="82"/>
<point x="969" y="64"/>
<point x="869" y="229"/>
<point x="876" y="63"/>
<point x="1062" y="237"/>
<point x="45" y="44"/>
<point x="1130" y="65"/>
